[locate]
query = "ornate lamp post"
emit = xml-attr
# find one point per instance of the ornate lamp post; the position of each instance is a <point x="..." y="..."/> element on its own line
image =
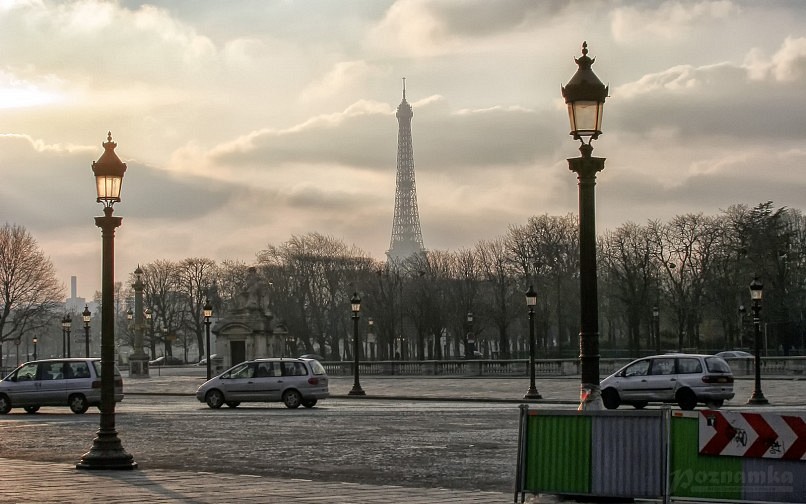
<point x="138" y="360"/>
<point x="585" y="95"/>
<point x="756" y="291"/>
<point x="35" y="341"/>
<point x="531" y="301"/>
<point x="86" y="316"/>
<point x="107" y="451"/>
<point x="208" y="312"/>
<point x="66" y="335"/>
<point x="355" y="303"/>
<point x="742" y="313"/>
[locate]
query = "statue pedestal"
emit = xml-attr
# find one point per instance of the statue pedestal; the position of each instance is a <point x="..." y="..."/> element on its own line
<point x="138" y="365"/>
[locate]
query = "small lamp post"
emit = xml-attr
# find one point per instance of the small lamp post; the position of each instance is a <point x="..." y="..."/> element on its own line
<point x="585" y="96"/>
<point x="756" y="291"/>
<point x="107" y="451"/>
<point x="656" y="327"/>
<point x="355" y="303"/>
<point x="208" y="312"/>
<point x="531" y="301"/>
<point x="35" y="341"/>
<point x="149" y="315"/>
<point x="66" y="323"/>
<point x="470" y="348"/>
<point x="86" y="316"/>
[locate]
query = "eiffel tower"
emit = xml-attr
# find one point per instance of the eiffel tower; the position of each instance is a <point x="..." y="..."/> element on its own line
<point x="407" y="239"/>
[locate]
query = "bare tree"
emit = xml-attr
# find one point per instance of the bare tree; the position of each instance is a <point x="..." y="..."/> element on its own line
<point x="29" y="291"/>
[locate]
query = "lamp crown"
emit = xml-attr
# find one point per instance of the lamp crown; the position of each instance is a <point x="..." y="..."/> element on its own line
<point x="585" y="85"/>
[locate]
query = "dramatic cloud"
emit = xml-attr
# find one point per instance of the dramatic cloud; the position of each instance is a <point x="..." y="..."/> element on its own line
<point x="245" y="122"/>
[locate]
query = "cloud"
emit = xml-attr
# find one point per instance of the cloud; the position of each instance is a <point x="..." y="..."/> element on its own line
<point x="671" y="20"/>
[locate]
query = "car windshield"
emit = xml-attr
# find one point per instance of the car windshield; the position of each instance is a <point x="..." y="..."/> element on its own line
<point x="716" y="365"/>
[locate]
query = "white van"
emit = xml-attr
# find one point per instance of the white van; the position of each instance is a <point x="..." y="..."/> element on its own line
<point x="55" y="382"/>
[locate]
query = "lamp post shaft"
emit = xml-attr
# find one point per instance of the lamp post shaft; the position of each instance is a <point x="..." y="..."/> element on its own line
<point x="356" y="390"/>
<point x="107" y="451"/>
<point x="209" y="358"/>
<point x="532" y="393"/>
<point x="586" y="167"/>
<point x="758" y="396"/>
<point x="86" y="340"/>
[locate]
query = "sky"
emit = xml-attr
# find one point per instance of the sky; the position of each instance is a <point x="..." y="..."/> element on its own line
<point x="244" y="123"/>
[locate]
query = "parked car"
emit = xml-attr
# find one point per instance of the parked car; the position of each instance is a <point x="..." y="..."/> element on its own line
<point x="682" y="378"/>
<point x="734" y="354"/>
<point x="55" y="382"/>
<point x="166" y="360"/>
<point x="295" y="382"/>
<point x="203" y="361"/>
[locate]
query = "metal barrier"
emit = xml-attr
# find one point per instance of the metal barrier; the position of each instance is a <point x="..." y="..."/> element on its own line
<point x="657" y="454"/>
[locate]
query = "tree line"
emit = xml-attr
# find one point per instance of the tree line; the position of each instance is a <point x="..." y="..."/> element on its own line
<point x="693" y="271"/>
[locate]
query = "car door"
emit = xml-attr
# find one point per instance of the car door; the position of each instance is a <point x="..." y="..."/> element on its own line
<point x="662" y="379"/>
<point x="23" y="387"/>
<point x="633" y="380"/>
<point x="241" y="385"/>
<point x="52" y="385"/>
<point x="269" y="376"/>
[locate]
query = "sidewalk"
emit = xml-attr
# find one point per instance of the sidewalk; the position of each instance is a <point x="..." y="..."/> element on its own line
<point x="45" y="483"/>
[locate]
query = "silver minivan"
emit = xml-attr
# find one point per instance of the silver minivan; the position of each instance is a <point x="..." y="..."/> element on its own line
<point x="295" y="382"/>
<point x="74" y="382"/>
<point x="686" y="379"/>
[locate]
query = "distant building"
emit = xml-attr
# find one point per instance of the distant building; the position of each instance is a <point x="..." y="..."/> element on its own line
<point x="74" y="304"/>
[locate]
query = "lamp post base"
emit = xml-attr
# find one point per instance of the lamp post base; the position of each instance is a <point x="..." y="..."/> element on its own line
<point x="758" y="399"/>
<point x="532" y="394"/>
<point x="107" y="453"/>
<point x="590" y="398"/>
<point x="356" y="390"/>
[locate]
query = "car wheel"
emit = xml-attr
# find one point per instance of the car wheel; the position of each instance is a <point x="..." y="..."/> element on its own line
<point x="715" y="404"/>
<point x="78" y="404"/>
<point x="610" y="398"/>
<point x="214" y="399"/>
<point x="309" y="403"/>
<point x="31" y="409"/>
<point x="5" y="404"/>
<point x="292" y="399"/>
<point x="639" y="404"/>
<point x="233" y="404"/>
<point x="686" y="399"/>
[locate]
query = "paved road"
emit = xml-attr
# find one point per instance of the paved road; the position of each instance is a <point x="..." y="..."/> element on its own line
<point x="40" y="479"/>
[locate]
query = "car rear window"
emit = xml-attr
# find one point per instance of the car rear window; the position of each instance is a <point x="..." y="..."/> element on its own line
<point x="717" y="365"/>
<point x="689" y="366"/>
<point x="317" y="368"/>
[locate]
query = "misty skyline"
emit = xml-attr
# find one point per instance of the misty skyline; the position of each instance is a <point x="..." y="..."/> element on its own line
<point x="243" y="123"/>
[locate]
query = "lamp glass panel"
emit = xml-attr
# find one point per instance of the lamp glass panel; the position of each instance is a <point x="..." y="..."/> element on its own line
<point x="108" y="187"/>
<point x="208" y="313"/>
<point x="585" y="117"/>
<point x="531" y="300"/>
<point x="755" y="294"/>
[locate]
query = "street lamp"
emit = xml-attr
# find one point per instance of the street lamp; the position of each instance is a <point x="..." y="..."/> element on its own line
<point x="585" y="95"/>
<point x="35" y="341"/>
<point x="355" y="303"/>
<point x="531" y="301"/>
<point x="756" y="291"/>
<point x="656" y="327"/>
<point x="107" y="451"/>
<point x="66" y="322"/>
<point x="208" y="312"/>
<point x="470" y="347"/>
<point x="149" y="315"/>
<point x="87" y="317"/>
